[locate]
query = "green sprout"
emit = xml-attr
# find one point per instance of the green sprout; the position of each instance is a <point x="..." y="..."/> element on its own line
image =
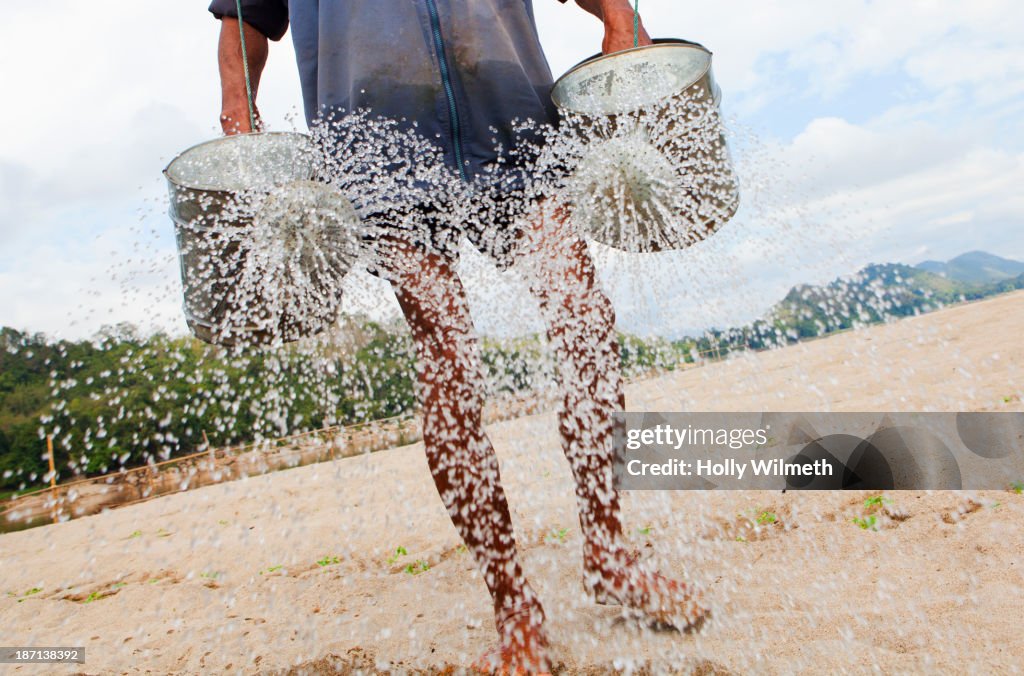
<point x="869" y="522"/>
<point x="274" y="569"/>
<point x="766" y="518"/>
<point x="327" y="561"/>
<point x="557" y="535"/>
<point x="210" y="575"/>
<point x="1017" y="487"/>
<point x="30" y="592"/>
<point x="420" y="566"/>
<point x="95" y="596"/>
<point x="877" y="501"/>
<point x="135" y="534"/>
<point x="399" y="552"/>
<point x="646" y="530"/>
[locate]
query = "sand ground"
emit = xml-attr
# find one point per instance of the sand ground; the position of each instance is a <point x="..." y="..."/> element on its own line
<point x="293" y="571"/>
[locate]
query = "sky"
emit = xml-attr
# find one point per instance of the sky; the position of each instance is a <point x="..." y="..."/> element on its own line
<point x="863" y="132"/>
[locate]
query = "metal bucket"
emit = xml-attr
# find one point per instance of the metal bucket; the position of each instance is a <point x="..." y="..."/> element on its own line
<point x="642" y="148"/>
<point x="262" y="246"/>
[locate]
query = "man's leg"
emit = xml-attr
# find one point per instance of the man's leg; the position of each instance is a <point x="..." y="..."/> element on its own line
<point x="461" y="458"/>
<point x="581" y="328"/>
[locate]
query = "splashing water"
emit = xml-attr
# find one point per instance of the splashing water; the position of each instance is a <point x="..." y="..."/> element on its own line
<point x="126" y="402"/>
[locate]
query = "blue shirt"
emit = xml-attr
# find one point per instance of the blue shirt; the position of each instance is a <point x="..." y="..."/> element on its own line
<point x="462" y="70"/>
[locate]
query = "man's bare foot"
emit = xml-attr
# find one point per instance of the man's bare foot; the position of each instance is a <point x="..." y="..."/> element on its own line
<point x="523" y="644"/>
<point x="622" y="580"/>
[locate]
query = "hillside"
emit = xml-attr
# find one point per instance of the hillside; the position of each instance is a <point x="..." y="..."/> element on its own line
<point x="876" y="293"/>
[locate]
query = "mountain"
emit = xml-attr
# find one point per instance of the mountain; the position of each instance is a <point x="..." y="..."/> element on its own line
<point x="976" y="267"/>
<point x="877" y="293"/>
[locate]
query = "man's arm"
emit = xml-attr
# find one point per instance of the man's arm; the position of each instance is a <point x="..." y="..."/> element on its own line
<point x="617" y="16"/>
<point x="264" y="20"/>
<point x="234" y="106"/>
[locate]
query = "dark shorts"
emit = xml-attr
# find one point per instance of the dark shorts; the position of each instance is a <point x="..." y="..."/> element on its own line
<point x="493" y="226"/>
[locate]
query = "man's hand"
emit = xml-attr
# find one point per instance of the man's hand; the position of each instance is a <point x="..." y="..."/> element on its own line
<point x="234" y="111"/>
<point x="618" y="16"/>
<point x="619" y="32"/>
<point x="236" y="120"/>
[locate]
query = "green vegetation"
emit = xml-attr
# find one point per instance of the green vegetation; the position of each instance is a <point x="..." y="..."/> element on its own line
<point x="877" y="293"/>
<point x="328" y="561"/>
<point x="761" y="517"/>
<point x="273" y="569"/>
<point x="869" y="522"/>
<point x="96" y="596"/>
<point x="31" y="592"/>
<point x="557" y="535"/>
<point x="877" y="501"/>
<point x="1017" y="487"/>
<point x="122" y="401"/>
<point x="871" y="505"/>
<point x="420" y="566"/>
<point x="399" y="552"/>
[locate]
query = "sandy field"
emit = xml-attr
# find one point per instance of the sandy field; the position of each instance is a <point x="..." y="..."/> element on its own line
<point x="299" y="571"/>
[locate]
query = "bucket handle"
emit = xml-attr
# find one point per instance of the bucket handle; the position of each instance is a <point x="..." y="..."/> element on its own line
<point x="636" y="23"/>
<point x="245" y="68"/>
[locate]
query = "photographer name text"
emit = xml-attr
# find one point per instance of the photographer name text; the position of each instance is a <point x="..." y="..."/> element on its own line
<point x="729" y="467"/>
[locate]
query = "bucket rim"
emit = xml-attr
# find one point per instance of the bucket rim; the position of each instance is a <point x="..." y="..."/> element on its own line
<point x="221" y="139"/>
<point x="659" y="43"/>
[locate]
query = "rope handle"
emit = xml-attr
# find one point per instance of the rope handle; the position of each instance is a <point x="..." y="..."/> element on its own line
<point x="636" y="23"/>
<point x="245" y="68"/>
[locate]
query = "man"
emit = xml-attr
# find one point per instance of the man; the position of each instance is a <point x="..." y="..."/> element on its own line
<point x="460" y="72"/>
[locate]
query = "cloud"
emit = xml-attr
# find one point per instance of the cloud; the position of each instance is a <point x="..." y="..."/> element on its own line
<point x="964" y="197"/>
<point x="767" y="49"/>
<point x="105" y="280"/>
<point x="16" y="201"/>
<point x="832" y="153"/>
